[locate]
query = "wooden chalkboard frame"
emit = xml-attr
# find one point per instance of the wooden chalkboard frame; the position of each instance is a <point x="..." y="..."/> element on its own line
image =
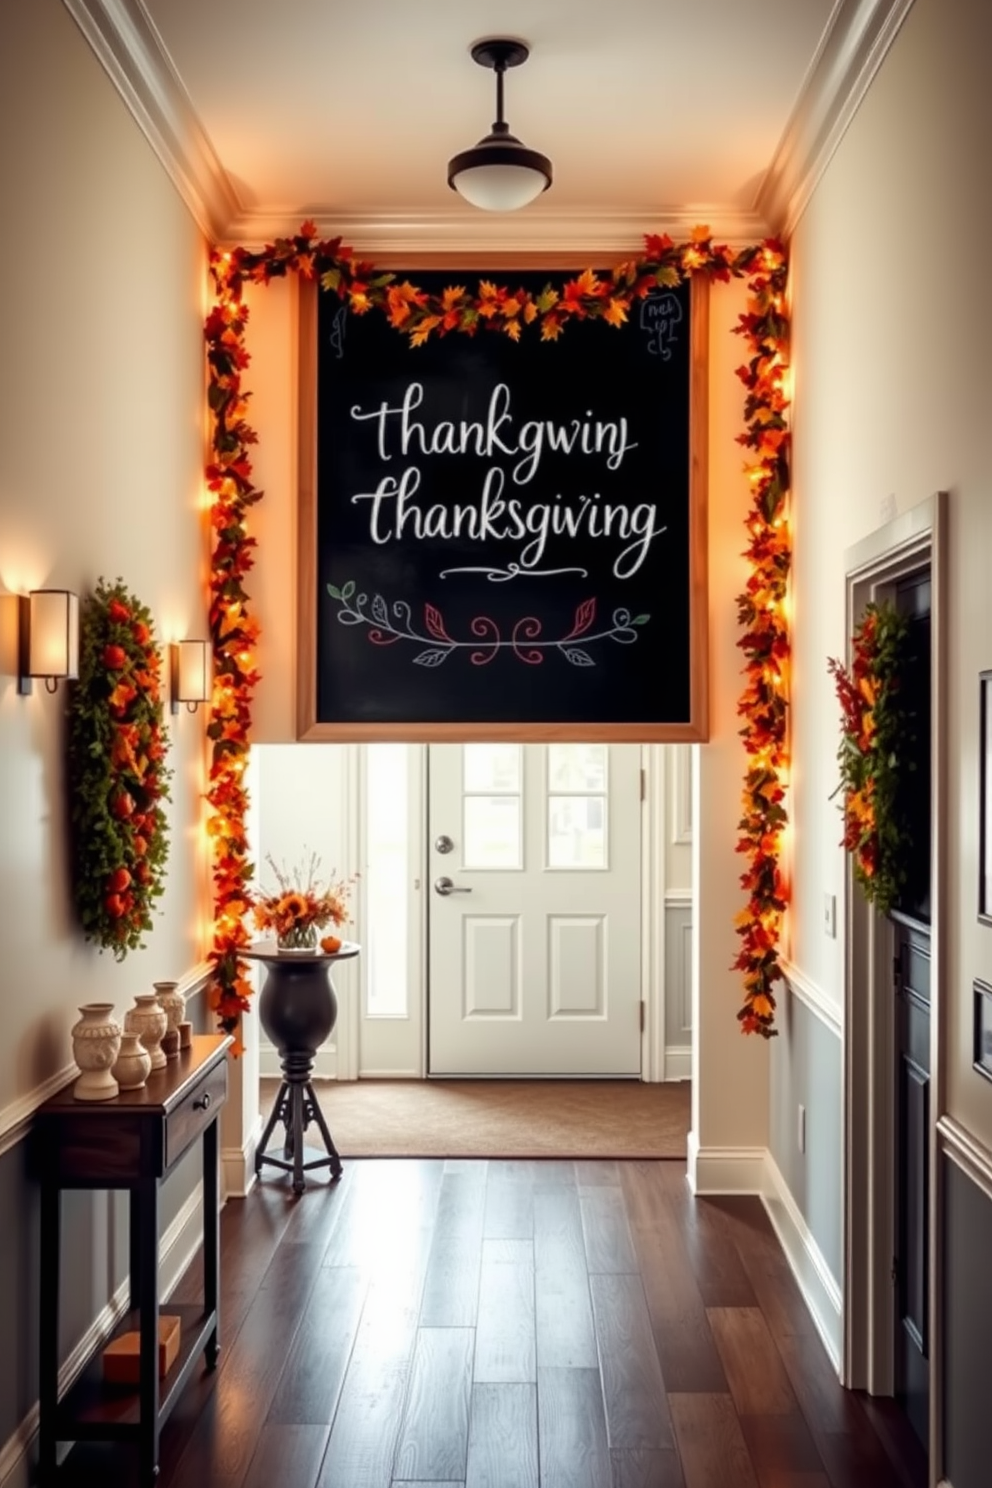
<point x="310" y="728"/>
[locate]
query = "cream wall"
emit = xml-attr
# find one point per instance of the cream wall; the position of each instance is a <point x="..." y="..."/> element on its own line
<point x="102" y="283"/>
<point x="729" y="1072"/>
<point x="893" y="370"/>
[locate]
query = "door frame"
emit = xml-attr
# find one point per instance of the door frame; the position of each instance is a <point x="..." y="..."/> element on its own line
<point x="655" y="814"/>
<point x="913" y="541"/>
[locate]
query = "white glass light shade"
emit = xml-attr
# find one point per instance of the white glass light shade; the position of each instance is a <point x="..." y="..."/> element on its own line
<point x="49" y="637"/>
<point x="499" y="188"/>
<point x="190" y="668"/>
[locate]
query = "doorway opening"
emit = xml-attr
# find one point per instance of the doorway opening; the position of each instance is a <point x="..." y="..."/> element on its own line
<point x="893" y="1020"/>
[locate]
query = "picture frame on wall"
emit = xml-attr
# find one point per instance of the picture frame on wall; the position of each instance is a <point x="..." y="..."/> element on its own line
<point x="983" y="1028"/>
<point x="985" y="799"/>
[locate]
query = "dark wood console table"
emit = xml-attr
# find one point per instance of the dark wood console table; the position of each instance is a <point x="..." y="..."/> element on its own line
<point x="131" y="1142"/>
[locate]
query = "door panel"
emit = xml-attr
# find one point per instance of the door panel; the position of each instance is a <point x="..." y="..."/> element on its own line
<point x="534" y="917"/>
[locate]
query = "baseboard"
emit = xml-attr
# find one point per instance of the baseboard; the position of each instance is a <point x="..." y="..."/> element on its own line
<point x="725" y="1170"/>
<point x="177" y="1248"/>
<point x="325" y="1066"/>
<point x="820" y="1290"/>
<point x="678" y="1063"/>
<point x="238" y="1164"/>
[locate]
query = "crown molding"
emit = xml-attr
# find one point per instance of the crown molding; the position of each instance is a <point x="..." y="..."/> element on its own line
<point x="128" y="46"/>
<point x="854" y="45"/>
<point x="616" y="234"/>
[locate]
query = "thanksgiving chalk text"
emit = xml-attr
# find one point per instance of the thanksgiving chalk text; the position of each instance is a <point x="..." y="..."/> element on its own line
<point x="514" y="450"/>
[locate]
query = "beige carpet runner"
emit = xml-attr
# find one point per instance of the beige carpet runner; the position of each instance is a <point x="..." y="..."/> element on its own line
<point x="503" y="1118"/>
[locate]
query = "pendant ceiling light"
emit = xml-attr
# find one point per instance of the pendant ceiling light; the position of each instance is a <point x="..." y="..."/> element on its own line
<point x="499" y="174"/>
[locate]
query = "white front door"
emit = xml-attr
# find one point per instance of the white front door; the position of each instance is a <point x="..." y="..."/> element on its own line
<point x="534" y="959"/>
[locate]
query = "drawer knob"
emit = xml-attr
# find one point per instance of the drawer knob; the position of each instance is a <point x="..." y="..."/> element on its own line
<point x="203" y="1103"/>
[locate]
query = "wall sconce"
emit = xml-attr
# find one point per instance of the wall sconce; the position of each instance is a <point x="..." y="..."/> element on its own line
<point x="189" y="665"/>
<point x="48" y="638"/>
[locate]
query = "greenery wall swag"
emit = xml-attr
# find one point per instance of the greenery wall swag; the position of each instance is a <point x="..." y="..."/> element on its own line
<point x="873" y="746"/>
<point x="117" y="773"/>
<point x="507" y="311"/>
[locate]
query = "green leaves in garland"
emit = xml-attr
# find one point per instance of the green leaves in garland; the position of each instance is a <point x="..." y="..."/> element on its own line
<point x="875" y="747"/>
<point x="117" y="774"/>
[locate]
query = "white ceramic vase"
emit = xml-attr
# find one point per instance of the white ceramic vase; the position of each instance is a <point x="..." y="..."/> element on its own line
<point x="96" y="1042"/>
<point x="147" y="1019"/>
<point x="133" y="1063"/>
<point x="173" y="1004"/>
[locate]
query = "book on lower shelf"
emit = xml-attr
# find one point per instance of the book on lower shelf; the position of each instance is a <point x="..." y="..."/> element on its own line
<point x="122" y="1356"/>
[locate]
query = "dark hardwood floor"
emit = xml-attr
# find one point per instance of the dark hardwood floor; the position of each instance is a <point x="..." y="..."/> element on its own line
<point x="512" y="1325"/>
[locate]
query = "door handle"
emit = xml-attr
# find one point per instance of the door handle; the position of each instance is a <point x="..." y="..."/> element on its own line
<point x="444" y="887"/>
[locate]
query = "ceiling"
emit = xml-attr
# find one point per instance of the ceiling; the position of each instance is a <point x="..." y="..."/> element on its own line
<point x="656" y="113"/>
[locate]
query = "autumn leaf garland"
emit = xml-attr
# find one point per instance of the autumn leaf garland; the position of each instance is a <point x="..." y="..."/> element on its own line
<point x="509" y="311"/>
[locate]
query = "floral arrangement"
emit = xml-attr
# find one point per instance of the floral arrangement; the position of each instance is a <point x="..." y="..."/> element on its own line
<point x="302" y="907"/>
<point x="510" y="311"/>
<point x="875" y="731"/>
<point x="117" y="775"/>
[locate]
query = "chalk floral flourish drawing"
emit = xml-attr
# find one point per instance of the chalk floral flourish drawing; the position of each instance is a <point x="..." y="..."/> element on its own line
<point x="389" y="624"/>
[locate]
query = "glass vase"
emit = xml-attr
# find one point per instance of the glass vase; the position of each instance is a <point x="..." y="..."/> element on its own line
<point x="298" y="938"/>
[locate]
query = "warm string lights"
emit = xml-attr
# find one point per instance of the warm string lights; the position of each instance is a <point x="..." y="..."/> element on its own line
<point x="420" y="315"/>
<point x="761" y="611"/>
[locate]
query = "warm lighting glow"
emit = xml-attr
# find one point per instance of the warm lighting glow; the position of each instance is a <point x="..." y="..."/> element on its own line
<point x="190" y="674"/>
<point x="49" y="638"/>
<point x="421" y="315"/>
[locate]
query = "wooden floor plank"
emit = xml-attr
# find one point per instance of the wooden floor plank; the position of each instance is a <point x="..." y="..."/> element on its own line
<point x="223" y="1442"/>
<point x="566" y="1336"/>
<point x="363" y="1438"/>
<point x="370" y="1407"/>
<point x="287" y="1454"/>
<point x="308" y="1389"/>
<point x="502" y="1438"/>
<point x="608" y="1242"/>
<point x="633" y="1389"/>
<point x="768" y="1271"/>
<point x="597" y="1174"/>
<point x="433" y="1440"/>
<point x="506" y="1345"/>
<point x="646" y="1469"/>
<point x="509" y="1211"/>
<point x="783" y="1451"/>
<point x="451" y="1287"/>
<point x="754" y="1368"/>
<point x="720" y="1275"/>
<point x="710" y="1442"/>
<point x="682" y="1335"/>
<point x="573" y="1448"/>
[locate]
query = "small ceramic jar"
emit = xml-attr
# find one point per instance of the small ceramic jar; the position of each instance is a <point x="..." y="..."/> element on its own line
<point x="96" y="1042"/>
<point x="133" y="1063"/>
<point x="173" y="1004"/>
<point x="149" y="1022"/>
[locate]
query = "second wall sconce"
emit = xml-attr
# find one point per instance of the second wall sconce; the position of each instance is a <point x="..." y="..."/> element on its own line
<point x="48" y="638"/>
<point x="190" y="669"/>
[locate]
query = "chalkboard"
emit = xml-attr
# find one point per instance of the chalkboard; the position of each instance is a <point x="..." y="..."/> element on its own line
<point x="500" y="538"/>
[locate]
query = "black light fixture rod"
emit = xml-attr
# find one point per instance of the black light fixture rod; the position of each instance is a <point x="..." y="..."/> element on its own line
<point x="500" y="73"/>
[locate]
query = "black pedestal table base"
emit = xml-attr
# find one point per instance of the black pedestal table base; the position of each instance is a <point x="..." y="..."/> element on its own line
<point x="298" y="1009"/>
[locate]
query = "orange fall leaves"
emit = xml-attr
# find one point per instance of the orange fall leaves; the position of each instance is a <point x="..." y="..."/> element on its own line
<point x="420" y="315"/>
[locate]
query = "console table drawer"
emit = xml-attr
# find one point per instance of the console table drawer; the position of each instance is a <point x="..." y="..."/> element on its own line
<point x="195" y="1112"/>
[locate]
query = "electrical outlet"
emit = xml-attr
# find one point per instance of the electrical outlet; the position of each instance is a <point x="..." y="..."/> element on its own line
<point x="888" y="508"/>
<point x="830" y="915"/>
<point x="801" y="1129"/>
